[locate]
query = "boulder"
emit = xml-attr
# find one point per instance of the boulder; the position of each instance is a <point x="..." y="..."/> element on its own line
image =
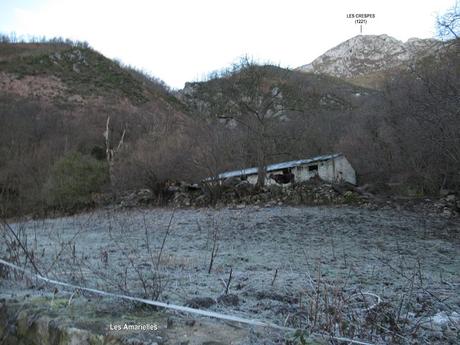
<point x="200" y="302"/>
<point x="228" y="300"/>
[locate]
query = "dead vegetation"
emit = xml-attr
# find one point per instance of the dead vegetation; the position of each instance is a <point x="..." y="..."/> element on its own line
<point x="330" y="272"/>
<point x="249" y="115"/>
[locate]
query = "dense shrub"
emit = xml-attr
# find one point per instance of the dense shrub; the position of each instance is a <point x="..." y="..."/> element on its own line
<point x="73" y="180"/>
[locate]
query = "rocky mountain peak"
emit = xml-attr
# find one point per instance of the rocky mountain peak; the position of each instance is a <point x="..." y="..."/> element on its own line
<point x="364" y="54"/>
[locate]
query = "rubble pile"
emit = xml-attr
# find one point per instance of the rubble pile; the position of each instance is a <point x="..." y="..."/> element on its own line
<point x="312" y="192"/>
<point x="447" y="205"/>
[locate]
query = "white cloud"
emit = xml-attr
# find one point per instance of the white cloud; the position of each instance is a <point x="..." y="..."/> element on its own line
<point x="180" y="40"/>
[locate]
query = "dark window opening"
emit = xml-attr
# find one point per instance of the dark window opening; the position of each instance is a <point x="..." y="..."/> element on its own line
<point x="313" y="168"/>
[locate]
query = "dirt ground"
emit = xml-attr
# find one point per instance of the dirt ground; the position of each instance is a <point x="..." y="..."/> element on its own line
<point x="382" y="276"/>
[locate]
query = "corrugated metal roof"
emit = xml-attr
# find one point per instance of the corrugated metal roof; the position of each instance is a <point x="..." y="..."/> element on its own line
<point x="277" y="166"/>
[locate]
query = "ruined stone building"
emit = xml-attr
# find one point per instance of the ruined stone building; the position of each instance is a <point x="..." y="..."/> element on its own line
<point x="331" y="168"/>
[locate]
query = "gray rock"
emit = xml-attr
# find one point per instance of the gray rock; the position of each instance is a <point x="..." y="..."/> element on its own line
<point x="190" y="322"/>
<point x="451" y="198"/>
<point x="229" y="300"/>
<point x="200" y="302"/>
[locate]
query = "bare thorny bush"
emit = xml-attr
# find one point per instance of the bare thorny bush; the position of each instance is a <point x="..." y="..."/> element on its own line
<point x="329" y="308"/>
<point x="16" y="250"/>
<point x="21" y="249"/>
<point x="139" y="272"/>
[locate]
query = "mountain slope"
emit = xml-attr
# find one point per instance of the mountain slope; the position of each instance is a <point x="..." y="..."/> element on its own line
<point x="56" y="99"/>
<point x="309" y="91"/>
<point x="269" y="114"/>
<point x="365" y="59"/>
<point x="67" y="73"/>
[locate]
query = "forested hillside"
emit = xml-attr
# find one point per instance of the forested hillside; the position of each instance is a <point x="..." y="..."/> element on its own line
<point x="74" y="124"/>
<point x="63" y="107"/>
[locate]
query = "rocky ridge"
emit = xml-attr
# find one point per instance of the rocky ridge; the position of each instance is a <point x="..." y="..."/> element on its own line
<point x="368" y="54"/>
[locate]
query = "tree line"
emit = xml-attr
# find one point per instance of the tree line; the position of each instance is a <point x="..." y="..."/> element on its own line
<point x="406" y="136"/>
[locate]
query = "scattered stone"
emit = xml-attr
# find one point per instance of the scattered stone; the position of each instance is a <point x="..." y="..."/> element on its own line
<point x="450" y="198"/>
<point x="190" y="322"/>
<point x="200" y="302"/>
<point x="239" y="194"/>
<point x="447" y="212"/>
<point x="442" y="318"/>
<point x="228" y="300"/>
<point x="78" y="336"/>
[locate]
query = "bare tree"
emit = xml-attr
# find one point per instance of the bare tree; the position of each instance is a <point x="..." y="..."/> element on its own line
<point x="250" y="96"/>
<point x="449" y="23"/>
<point x="110" y="149"/>
<point x="423" y="110"/>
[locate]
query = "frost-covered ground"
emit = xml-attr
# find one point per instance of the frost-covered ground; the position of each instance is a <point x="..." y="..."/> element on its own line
<point x="314" y="267"/>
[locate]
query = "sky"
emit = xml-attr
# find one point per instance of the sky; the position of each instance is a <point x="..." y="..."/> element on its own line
<point x="183" y="40"/>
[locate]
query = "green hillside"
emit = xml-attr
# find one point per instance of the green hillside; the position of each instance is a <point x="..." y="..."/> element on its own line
<point x="82" y="70"/>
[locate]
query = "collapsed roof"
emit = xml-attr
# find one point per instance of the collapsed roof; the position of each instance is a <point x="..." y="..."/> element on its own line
<point x="277" y="166"/>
